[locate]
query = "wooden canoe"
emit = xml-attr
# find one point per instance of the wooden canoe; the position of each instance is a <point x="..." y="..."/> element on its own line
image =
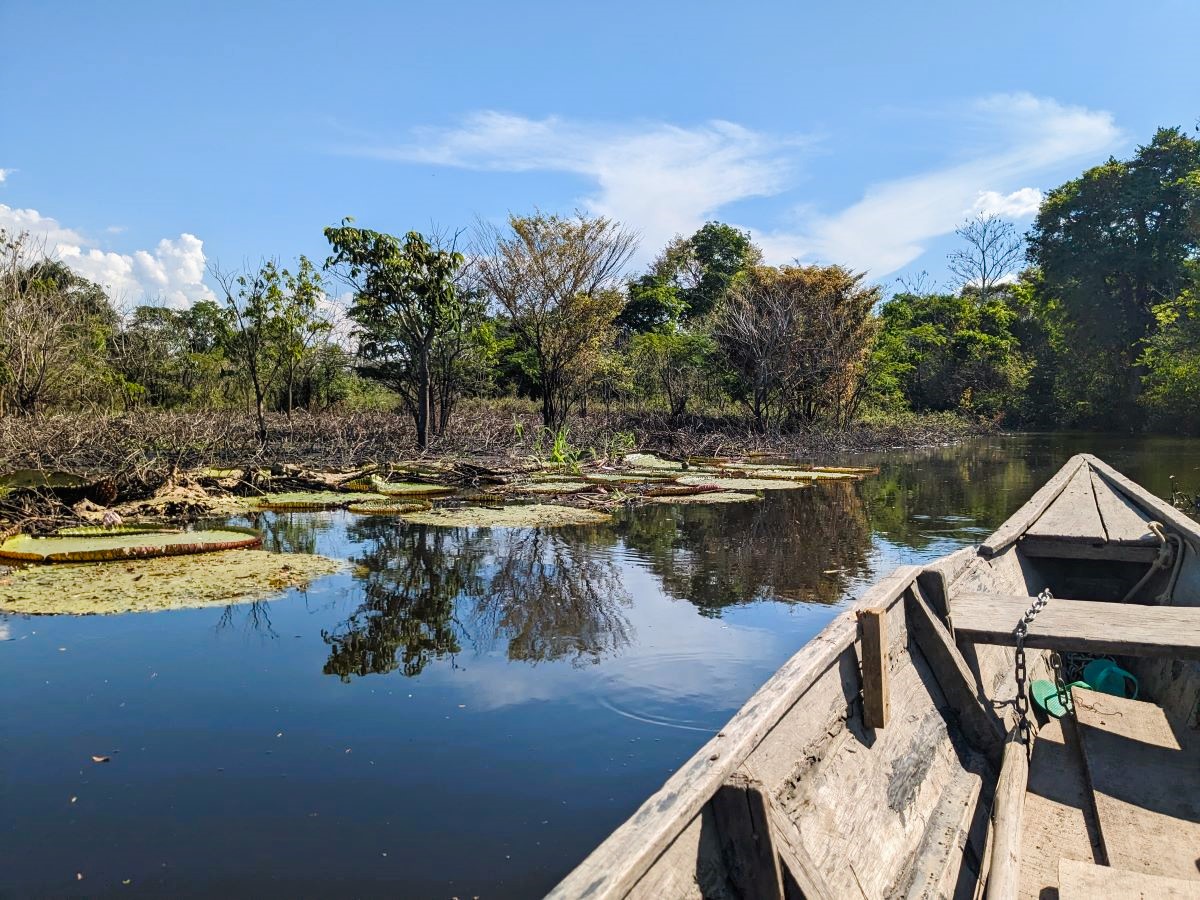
<point x="882" y="759"/>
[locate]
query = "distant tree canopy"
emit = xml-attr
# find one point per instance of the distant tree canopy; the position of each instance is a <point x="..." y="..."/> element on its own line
<point x="1099" y="330"/>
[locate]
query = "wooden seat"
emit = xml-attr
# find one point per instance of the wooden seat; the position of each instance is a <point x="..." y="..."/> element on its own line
<point x="1079" y="880"/>
<point x="1127" y="629"/>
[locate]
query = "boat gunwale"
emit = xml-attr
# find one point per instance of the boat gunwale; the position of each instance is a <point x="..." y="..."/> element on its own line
<point x="614" y="867"/>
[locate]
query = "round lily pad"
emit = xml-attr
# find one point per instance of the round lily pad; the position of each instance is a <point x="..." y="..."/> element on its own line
<point x="104" y="545"/>
<point x="536" y="515"/>
<point x="375" y="484"/>
<point x="744" y="484"/>
<point x="555" y="487"/>
<point x="706" y="497"/>
<point x="312" y="500"/>
<point x="387" y="507"/>
<point x="151" y="585"/>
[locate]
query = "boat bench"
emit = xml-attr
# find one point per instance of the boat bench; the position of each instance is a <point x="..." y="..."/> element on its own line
<point x="1128" y="629"/>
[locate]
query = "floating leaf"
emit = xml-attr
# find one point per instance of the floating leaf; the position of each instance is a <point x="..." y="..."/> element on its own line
<point x="537" y="515"/>
<point x="745" y="484"/>
<point x="312" y="500"/>
<point x="387" y="507"/>
<point x="706" y="497"/>
<point x="97" y="544"/>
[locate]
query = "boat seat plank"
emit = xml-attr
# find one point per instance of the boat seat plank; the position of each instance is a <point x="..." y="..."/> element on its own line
<point x="1124" y="523"/>
<point x="1080" y="625"/>
<point x="1073" y="515"/>
<point x="1086" y="881"/>
<point x="1144" y="772"/>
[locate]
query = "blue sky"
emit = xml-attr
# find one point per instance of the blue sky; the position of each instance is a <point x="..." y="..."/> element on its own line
<point x="146" y="141"/>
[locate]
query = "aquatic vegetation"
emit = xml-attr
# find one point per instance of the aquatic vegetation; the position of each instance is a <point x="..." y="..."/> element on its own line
<point x="536" y="515"/>
<point x="744" y="484"/>
<point x="376" y="485"/>
<point x="554" y="487"/>
<point x="152" y="585"/>
<point x="97" y="544"/>
<point x="312" y="500"/>
<point x="722" y="496"/>
<point x="387" y="507"/>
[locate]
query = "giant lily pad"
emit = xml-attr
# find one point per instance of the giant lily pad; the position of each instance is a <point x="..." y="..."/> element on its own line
<point x="312" y="500"/>
<point x="536" y="515"/>
<point x="151" y="585"/>
<point x="377" y="485"/>
<point x="389" y="507"/>
<point x="706" y="497"/>
<point x="555" y="487"/>
<point x="104" y="545"/>
<point x="744" y="484"/>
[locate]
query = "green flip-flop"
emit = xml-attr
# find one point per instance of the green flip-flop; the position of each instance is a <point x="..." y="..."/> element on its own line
<point x="1045" y="695"/>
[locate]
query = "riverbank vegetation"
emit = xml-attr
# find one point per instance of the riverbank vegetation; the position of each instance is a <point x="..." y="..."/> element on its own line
<point x="443" y="341"/>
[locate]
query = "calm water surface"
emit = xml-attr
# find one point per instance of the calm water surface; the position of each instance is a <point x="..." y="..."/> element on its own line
<point x="466" y="712"/>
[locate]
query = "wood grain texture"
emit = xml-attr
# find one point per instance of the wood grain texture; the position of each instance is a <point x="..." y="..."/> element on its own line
<point x="1004" y="874"/>
<point x="1058" y="821"/>
<point x="1018" y="523"/>
<point x="1087" y="881"/>
<point x="1081" y="625"/>
<point x="875" y="665"/>
<point x="1144" y="772"/>
<point x="613" y="868"/>
<point x="1124" y="521"/>
<point x="740" y="810"/>
<point x="1159" y="509"/>
<point x="1073" y="516"/>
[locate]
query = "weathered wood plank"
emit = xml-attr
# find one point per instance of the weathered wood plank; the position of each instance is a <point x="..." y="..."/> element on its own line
<point x="1144" y="771"/>
<point x="1073" y="515"/>
<point x="979" y="723"/>
<point x="802" y="879"/>
<point x="629" y="852"/>
<point x="1124" y="521"/>
<point x="1081" y="625"/>
<point x="1160" y="509"/>
<point x="741" y="812"/>
<point x="1057" y="548"/>
<point x="875" y="666"/>
<point x="941" y="856"/>
<point x="1017" y="524"/>
<point x="1087" y="881"/>
<point x="1059" y="821"/>
<point x="1004" y="874"/>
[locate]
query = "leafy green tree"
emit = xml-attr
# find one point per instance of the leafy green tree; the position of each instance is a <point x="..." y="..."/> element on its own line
<point x="949" y="352"/>
<point x="556" y="279"/>
<point x="1171" y="359"/>
<point x="413" y="318"/>
<point x="272" y="314"/>
<point x="674" y="362"/>
<point x="1111" y="245"/>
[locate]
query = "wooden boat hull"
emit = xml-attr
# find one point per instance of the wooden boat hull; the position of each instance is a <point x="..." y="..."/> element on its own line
<point x="873" y="763"/>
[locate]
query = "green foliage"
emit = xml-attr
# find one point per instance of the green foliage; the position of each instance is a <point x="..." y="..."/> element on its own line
<point x="948" y="352"/>
<point x="416" y="327"/>
<point x="1171" y="358"/>
<point x="1111" y="245"/>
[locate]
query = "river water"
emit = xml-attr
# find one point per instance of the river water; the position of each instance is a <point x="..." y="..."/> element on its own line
<point x="465" y="712"/>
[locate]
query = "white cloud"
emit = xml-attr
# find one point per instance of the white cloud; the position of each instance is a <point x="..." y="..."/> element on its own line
<point x="891" y="225"/>
<point x="172" y="273"/>
<point x="4" y="173"/>
<point x="661" y="179"/>
<point x="1020" y="204"/>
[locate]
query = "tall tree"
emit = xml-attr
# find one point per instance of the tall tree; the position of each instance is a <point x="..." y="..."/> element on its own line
<point x="407" y="301"/>
<point x="556" y="279"/>
<point x="1110" y="245"/>
<point x="991" y="252"/>
<point x="269" y="311"/>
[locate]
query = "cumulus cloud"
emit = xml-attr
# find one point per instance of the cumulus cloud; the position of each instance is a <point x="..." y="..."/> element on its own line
<point x="661" y="179"/>
<point x="1020" y="204"/>
<point x="172" y="273"/>
<point x="1020" y="136"/>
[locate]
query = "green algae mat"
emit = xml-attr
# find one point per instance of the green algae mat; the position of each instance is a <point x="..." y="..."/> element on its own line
<point x="102" y="545"/>
<point x="153" y="585"/>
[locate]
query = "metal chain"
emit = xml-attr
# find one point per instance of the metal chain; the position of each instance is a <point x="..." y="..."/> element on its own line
<point x="1020" y="632"/>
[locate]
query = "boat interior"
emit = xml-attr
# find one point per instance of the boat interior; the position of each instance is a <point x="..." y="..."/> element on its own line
<point x="885" y="759"/>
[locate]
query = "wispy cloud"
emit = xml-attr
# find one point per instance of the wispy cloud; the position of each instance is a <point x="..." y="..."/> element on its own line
<point x="4" y="173"/>
<point x="1023" y="136"/>
<point x="171" y="273"/>
<point x="1020" y="204"/>
<point x="658" y="178"/>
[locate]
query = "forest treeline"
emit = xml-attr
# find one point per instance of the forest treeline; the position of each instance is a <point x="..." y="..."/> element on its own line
<point x="1091" y="320"/>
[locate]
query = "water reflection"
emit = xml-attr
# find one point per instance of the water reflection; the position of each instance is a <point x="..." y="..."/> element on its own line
<point x="801" y="545"/>
<point x="542" y="595"/>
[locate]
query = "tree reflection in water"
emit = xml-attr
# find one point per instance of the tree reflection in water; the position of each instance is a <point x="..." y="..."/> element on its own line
<point x="548" y="594"/>
<point x="801" y="545"/>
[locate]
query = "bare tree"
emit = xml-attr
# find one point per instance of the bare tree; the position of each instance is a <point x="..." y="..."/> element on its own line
<point x="558" y="281"/>
<point x="993" y="251"/>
